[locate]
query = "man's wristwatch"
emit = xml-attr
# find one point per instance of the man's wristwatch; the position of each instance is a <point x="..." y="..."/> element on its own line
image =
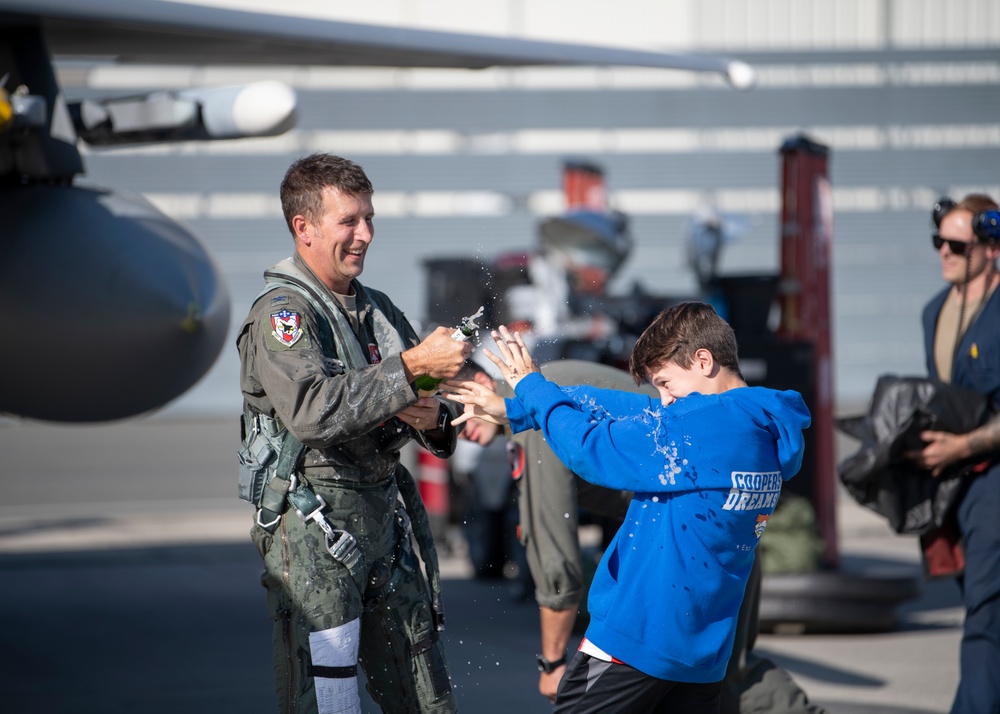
<point x="549" y="666"/>
<point x="442" y="421"/>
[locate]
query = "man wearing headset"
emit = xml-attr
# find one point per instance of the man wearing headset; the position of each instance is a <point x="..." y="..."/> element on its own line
<point x="962" y="342"/>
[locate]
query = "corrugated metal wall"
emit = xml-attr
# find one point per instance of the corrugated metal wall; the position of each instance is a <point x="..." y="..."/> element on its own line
<point x="466" y="163"/>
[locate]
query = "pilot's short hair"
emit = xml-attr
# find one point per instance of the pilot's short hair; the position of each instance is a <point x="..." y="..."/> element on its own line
<point x="677" y="333"/>
<point x="303" y="184"/>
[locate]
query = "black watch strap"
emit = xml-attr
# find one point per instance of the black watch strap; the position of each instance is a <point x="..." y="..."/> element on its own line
<point x="549" y="666"/>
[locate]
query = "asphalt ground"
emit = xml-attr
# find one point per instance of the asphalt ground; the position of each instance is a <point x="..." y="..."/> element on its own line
<point x="128" y="584"/>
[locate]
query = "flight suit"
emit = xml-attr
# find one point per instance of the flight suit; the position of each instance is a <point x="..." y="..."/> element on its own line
<point x="336" y="392"/>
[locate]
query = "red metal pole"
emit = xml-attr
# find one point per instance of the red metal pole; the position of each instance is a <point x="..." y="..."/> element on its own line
<point x="583" y="187"/>
<point x="806" y="237"/>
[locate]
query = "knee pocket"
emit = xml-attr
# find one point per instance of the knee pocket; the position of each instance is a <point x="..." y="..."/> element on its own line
<point x="427" y="652"/>
<point x="402" y="632"/>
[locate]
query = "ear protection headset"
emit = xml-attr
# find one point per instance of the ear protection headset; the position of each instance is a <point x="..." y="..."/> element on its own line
<point x="985" y="225"/>
<point x="986" y="228"/>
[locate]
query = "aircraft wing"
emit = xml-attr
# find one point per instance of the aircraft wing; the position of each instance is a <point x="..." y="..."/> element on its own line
<point x="158" y="32"/>
<point x="132" y="291"/>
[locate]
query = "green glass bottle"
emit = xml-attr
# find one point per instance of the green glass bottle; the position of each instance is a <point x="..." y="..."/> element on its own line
<point x="427" y="385"/>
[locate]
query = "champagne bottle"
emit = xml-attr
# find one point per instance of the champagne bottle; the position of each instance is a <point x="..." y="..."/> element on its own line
<point x="427" y="385"/>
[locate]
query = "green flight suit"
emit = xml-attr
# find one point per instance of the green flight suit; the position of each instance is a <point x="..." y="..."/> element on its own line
<point x="336" y="386"/>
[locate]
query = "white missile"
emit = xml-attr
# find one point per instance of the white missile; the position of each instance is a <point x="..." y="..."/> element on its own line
<point x="740" y="74"/>
<point x="265" y="108"/>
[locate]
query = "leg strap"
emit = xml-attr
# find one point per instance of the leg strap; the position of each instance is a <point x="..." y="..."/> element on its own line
<point x="332" y="672"/>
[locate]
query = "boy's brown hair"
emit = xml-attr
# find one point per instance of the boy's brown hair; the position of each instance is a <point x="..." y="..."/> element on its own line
<point x="677" y="333"/>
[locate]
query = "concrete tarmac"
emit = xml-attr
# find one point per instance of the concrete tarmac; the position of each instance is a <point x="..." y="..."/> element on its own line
<point x="129" y="585"/>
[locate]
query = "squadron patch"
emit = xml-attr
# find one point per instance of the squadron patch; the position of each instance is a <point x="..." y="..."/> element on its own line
<point x="286" y="326"/>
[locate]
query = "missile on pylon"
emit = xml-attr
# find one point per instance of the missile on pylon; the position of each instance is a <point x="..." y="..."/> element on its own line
<point x="265" y="108"/>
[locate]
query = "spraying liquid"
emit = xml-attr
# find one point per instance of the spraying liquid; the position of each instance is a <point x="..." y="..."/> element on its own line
<point x="427" y="385"/>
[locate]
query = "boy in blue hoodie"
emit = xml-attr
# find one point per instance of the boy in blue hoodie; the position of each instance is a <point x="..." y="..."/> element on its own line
<point x="706" y="474"/>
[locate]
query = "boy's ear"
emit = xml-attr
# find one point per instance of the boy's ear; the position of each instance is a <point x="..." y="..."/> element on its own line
<point x="704" y="362"/>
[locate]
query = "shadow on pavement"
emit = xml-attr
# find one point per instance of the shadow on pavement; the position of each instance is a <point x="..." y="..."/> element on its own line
<point x="185" y="629"/>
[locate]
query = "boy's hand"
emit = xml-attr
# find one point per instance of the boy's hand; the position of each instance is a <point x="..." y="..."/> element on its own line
<point x="514" y="361"/>
<point x="480" y="402"/>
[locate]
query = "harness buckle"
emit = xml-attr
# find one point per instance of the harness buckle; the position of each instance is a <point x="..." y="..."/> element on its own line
<point x="270" y="524"/>
<point x="341" y="545"/>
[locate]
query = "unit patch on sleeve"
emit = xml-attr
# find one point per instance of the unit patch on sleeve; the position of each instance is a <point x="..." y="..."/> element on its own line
<point x="286" y="329"/>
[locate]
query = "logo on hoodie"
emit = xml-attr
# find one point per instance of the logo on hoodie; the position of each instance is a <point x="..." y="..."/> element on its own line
<point x="753" y="491"/>
<point x="761" y="525"/>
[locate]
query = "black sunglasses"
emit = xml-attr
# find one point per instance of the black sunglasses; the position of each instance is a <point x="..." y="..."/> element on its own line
<point x="955" y="246"/>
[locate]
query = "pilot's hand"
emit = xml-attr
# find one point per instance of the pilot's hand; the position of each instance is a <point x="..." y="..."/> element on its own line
<point x="438" y="356"/>
<point x="423" y="415"/>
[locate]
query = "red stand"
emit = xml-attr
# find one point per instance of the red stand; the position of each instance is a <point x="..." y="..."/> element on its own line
<point x="804" y="291"/>
<point x="583" y="187"/>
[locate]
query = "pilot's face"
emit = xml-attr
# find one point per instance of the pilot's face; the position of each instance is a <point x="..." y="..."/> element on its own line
<point x="334" y="246"/>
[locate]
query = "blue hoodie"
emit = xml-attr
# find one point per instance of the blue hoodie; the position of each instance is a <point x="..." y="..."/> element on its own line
<point x="706" y="473"/>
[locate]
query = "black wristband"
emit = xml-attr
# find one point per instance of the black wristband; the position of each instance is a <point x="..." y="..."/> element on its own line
<point x="442" y="422"/>
<point x="549" y="666"/>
